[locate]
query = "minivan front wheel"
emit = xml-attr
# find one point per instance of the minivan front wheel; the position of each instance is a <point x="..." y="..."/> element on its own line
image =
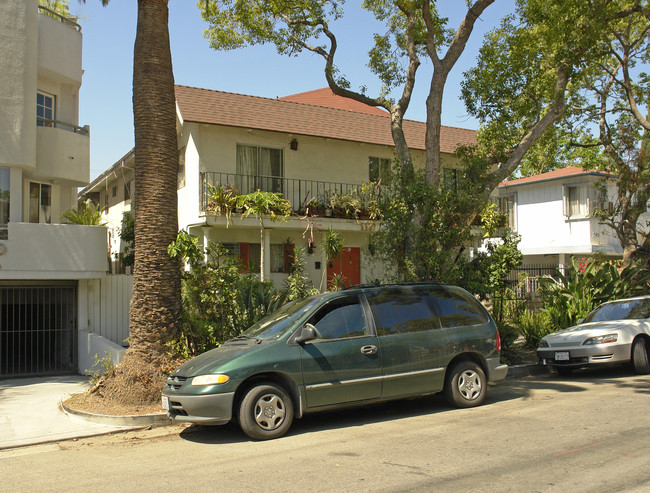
<point x="266" y="412"/>
<point x="466" y="385"/>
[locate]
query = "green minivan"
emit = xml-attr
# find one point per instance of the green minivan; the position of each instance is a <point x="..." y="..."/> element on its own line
<point x="357" y="346"/>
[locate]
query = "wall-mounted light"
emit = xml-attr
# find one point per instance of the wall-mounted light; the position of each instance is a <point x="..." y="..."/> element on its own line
<point x="294" y="145"/>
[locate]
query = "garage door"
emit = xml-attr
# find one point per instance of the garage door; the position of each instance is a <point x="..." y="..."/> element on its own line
<point x="38" y="329"/>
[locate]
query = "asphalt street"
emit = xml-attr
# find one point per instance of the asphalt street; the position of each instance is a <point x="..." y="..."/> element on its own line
<point x="588" y="433"/>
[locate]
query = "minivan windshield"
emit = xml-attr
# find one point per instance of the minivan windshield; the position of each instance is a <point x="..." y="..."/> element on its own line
<point x="274" y="325"/>
<point x="620" y="310"/>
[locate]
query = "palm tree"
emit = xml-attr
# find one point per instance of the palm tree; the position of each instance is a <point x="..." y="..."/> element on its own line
<point x="155" y="311"/>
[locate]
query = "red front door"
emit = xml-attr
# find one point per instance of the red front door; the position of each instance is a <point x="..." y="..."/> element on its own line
<point x="348" y="264"/>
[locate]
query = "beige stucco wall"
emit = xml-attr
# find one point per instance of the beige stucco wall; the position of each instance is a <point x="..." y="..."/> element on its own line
<point x="53" y="251"/>
<point x="18" y="74"/>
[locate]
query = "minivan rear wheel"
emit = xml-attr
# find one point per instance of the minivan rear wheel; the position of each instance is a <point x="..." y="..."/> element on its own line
<point x="266" y="412"/>
<point x="466" y="385"/>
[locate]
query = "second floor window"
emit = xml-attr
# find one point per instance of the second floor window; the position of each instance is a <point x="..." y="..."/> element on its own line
<point x="451" y="178"/>
<point x="378" y="169"/>
<point x="576" y="201"/>
<point x="44" y="109"/>
<point x="259" y="168"/>
<point x="507" y="208"/>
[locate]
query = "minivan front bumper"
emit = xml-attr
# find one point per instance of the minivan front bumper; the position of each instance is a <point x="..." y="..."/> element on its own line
<point x="496" y="370"/>
<point x="210" y="409"/>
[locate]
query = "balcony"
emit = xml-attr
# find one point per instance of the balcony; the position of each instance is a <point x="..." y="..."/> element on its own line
<point x="63" y="152"/>
<point x="53" y="251"/>
<point x="59" y="47"/>
<point x="325" y="198"/>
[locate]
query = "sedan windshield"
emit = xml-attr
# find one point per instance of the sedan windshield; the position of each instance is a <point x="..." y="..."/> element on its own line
<point x="620" y="310"/>
<point x="274" y="325"/>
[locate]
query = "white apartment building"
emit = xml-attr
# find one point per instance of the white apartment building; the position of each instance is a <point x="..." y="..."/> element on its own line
<point x="49" y="272"/>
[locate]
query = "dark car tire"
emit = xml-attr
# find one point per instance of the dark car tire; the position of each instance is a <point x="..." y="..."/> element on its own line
<point x="563" y="371"/>
<point x="640" y="357"/>
<point x="266" y="412"/>
<point x="466" y="385"/>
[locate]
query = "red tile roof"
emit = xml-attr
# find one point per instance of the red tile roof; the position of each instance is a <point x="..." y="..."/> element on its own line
<point x="277" y="115"/>
<point x="558" y="173"/>
<point x="325" y="97"/>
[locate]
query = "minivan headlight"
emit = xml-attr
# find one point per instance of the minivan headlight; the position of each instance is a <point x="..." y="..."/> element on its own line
<point x="213" y="379"/>
<point x="601" y="339"/>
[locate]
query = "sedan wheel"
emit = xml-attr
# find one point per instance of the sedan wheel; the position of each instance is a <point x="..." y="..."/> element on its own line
<point x="466" y="385"/>
<point x="640" y="357"/>
<point x="266" y="411"/>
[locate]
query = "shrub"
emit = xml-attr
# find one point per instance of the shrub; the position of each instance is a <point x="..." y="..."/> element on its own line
<point x="534" y="326"/>
<point x="583" y="287"/>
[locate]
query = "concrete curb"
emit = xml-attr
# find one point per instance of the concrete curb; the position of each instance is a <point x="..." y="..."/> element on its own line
<point x="517" y="371"/>
<point x="136" y="421"/>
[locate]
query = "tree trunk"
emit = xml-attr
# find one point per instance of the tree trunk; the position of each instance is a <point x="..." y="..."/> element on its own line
<point x="155" y="310"/>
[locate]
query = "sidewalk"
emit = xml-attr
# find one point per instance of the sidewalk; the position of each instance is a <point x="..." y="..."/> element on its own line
<point x="30" y="412"/>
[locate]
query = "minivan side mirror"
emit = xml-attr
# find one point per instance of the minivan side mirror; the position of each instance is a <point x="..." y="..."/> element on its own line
<point x="307" y="333"/>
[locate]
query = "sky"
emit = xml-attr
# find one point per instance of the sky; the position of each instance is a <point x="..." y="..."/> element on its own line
<point x="109" y="36"/>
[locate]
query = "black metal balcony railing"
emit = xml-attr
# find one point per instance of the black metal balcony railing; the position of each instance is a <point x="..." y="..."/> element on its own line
<point x="44" y="122"/>
<point x="298" y="192"/>
<point x="70" y="21"/>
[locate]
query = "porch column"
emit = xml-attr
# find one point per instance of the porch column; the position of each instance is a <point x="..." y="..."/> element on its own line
<point x="206" y="241"/>
<point x="562" y="262"/>
<point x="267" y="254"/>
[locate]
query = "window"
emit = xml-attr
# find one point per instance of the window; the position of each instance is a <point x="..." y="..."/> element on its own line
<point x="575" y="200"/>
<point x="4" y="202"/>
<point x="114" y="191"/>
<point x="507" y="208"/>
<point x="259" y="168"/>
<point x="340" y="318"/>
<point x="44" y="110"/>
<point x="180" y="183"/>
<point x="457" y="309"/>
<point x="451" y="178"/>
<point x="281" y="257"/>
<point x="40" y="203"/>
<point x="127" y="191"/>
<point x="401" y="310"/>
<point x="379" y="169"/>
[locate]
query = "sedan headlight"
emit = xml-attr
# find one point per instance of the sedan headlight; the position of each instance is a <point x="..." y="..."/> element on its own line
<point x="543" y="343"/>
<point x="601" y="339"/>
<point x="215" y="379"/>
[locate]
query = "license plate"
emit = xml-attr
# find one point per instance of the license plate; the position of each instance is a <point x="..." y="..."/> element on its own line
<point x="165" y="403"/>
<point x="562" y="356"/>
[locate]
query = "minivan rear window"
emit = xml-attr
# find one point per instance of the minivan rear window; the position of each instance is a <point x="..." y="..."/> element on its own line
<point x="457" y="308"/>
<point x="401" y="310"/>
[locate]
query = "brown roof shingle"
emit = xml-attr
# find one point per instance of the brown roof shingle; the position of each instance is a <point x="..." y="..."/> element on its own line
<point x="239" y="110"/>
<point x="325" y="97"/>
<point x="550" y="175"/>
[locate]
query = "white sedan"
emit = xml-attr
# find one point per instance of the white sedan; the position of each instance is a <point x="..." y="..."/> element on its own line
<point x="615" y="332"/>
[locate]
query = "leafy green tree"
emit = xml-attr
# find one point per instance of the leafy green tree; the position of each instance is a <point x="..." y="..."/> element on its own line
<point x="518" y="90"/>
<point x="298" y="285"/>
<point x="600" y="46"/>
<point x="264" y="204"/>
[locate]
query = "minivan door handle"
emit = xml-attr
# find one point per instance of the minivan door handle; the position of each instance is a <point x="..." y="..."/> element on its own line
<point x="369" y="349"/>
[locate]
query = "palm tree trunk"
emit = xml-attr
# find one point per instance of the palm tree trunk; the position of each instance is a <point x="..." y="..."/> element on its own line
<point x="155" y="306"/>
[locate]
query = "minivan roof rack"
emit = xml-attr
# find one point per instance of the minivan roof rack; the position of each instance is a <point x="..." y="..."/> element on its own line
<point x="378" y="284"/>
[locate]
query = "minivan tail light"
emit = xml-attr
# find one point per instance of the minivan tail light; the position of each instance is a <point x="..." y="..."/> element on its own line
<point x="498" y="342"/>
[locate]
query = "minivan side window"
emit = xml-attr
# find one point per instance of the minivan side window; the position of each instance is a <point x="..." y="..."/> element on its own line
<point x="401" y="310"/>
<point x="457" y="308"/>
<point x="340" y="318"/>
